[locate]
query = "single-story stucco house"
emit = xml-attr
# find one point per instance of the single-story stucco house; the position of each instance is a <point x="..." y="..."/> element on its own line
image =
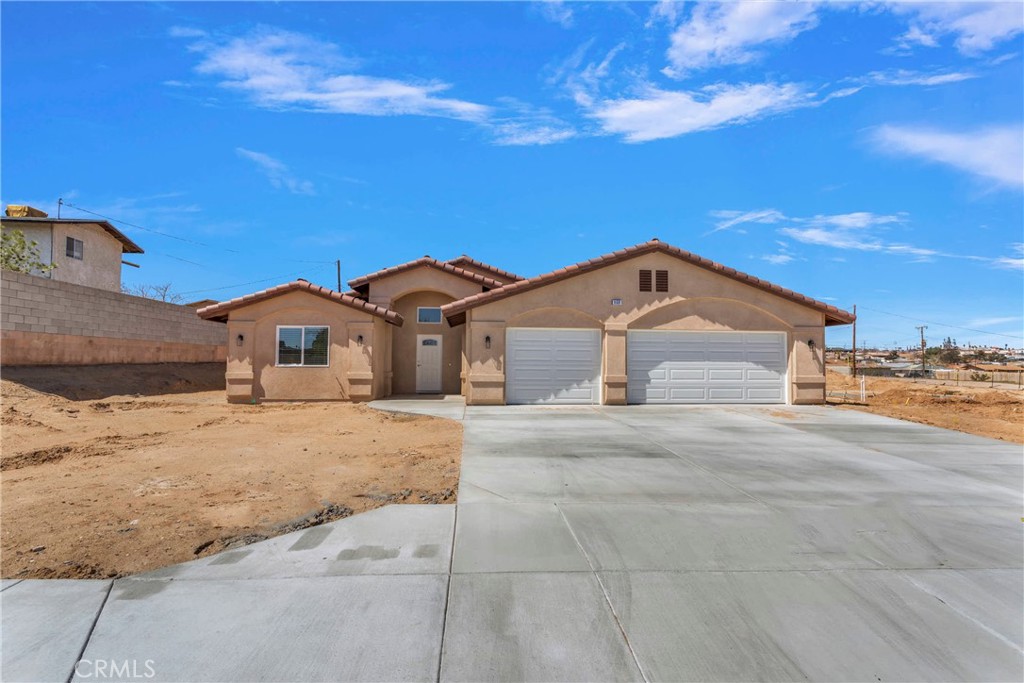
<point x="648" y="324"/>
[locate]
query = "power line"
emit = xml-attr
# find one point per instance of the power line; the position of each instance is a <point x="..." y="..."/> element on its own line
<point x="254" y="282"/>
<point x="142" y="227"/>
<point x="955" y="327"/>
<point x="173" y="237"/>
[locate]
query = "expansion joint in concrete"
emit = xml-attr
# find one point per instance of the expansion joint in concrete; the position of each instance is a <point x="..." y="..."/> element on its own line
<point x="604" y="592"/>
<point x="88" y="636"/>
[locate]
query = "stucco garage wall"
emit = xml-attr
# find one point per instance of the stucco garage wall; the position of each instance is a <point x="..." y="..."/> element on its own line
<point x="354" y="369"/>
<point x="403" y="358"/>
<point x="697" y="300"/>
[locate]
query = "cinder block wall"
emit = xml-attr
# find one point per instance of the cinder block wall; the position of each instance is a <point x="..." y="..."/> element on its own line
<point x="44" y="322"/>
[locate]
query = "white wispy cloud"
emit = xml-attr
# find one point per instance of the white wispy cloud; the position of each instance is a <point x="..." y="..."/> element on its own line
<point x="528" y="125"/>
<point x="777" y="259"/>
<point x="976" y="27"/>
<point x="1015" y="261"/>
<point x="995" y="153"/>
<point x="281" y="69"/>
<point x="655" y="113"/>
<point x="908" y="77"/>
<point x="276" y="172"/>
<point x="556" y="12"/>
<point x="731" y="218"/>
<point x="717" y="34"/>
<point x="992" y="322"/>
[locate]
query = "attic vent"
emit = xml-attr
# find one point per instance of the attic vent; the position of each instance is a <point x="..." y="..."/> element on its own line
<point x="661" y="280"/>
<point x="645" y="280"/>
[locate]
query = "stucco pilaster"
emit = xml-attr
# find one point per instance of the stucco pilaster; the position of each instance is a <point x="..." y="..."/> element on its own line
<point x="807" y="365"/>
<point x="485" y="341"/>
<point x="614" y="375"/>
<point x="239" y="376"/>
<point x="360" y="360"/>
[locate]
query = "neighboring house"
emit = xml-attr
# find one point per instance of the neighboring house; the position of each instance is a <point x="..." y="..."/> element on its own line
<point x="85" y="251"/>
<point x="648" y="324"/>
<point x="994" y="367"/>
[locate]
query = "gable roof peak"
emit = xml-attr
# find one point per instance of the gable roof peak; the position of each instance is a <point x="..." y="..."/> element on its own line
<point x="455" y="311"/>
<point x="219" y="311"/>
<point x="429" y="262"/>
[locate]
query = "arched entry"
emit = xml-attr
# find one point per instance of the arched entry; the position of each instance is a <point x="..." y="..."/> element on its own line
<point x="425" y="338"/>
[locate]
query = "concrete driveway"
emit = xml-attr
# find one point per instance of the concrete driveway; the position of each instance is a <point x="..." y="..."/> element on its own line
<point x="596" y="544"/>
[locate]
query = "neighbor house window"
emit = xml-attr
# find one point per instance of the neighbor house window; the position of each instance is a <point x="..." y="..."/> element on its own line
<point x="74" y="248"/>
<point x="661" y="280"/>
<point x="303" y="346"/>
<point x="430" y="316"/>
<point x="645" y="280"/>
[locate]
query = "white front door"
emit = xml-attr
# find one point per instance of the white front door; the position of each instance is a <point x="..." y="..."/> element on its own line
<point x="428" y="363"/>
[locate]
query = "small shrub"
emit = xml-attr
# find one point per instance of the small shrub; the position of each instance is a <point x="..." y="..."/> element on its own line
<point x="980" y="377"/>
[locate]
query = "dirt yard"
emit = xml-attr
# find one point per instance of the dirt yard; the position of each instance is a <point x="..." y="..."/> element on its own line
<point x="119" y="470"/>
<point x="995" y="413"/>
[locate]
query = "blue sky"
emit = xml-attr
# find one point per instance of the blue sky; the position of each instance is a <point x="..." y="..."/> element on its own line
<point x="866" y="154"/>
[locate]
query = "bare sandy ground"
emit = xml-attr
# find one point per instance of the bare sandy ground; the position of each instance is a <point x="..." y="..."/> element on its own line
<point x="995" y="413"/>
<point x="109" y="485"/>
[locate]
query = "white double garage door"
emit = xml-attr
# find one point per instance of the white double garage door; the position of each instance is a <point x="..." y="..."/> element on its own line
<point x="563" y="366"/>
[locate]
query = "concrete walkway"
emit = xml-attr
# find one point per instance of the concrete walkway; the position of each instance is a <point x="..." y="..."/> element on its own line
<point x="591" y="544"/>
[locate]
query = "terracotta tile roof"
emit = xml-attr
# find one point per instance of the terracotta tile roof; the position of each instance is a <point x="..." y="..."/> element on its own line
<point x="429" y="262"/>
<point x="466" y="260"/>
<point x="455" y="311"/>
<point x="220" y="311"/>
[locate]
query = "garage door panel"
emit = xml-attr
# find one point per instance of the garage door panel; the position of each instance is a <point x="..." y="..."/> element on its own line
<point x="760" y="375"/>
<point x="687" y="375"/>
<point x="672" y="366"/>
<point x="678" y="394"/>
<point x="553" y="366"/>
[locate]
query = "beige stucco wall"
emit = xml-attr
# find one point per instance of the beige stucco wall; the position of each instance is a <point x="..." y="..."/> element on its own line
<point x="100" y="266"/>
<point x="697" y="300"/>
<point x="403" y="358"/>
<point x="404" y="292"/>
<point x="355" y="370"/>
<point x="386" y="290"/>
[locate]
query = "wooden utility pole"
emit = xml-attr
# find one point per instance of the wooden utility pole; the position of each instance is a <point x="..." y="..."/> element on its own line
<point x="337" y="264"/>
<point x="924" y="368"/>
<point x="853" y="361"/>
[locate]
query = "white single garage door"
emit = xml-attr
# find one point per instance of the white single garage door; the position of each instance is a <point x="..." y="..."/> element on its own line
<point x="545" y="365"/>
<point x="667" y="366"/>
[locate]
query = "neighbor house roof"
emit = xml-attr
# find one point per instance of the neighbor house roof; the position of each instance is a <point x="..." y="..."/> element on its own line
<point x="220" y="311"/>
<point x="455" y="312"/>
<point x="467" y="261"/>
<point x="429" y="262"/>
<point x="992" y="367"/>
<point x="129" y="247"/>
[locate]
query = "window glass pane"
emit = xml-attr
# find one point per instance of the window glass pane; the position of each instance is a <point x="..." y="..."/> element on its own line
<point x="429" y="315"/>
<point x="289" y="346"/>
<point x="316" y="346"/>
<point x="73" y="248"/>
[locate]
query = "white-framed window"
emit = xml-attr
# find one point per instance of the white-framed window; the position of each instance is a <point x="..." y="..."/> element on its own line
<point x="74" y="248"/>
<point x="428" y="315"/>
<point x="303" y="346"/>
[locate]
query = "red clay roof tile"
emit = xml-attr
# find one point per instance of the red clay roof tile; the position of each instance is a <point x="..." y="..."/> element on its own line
<point x="220" y="311"/>
<point x="483" y="266"/>
<point x="429" y="263"/>
<point x="455" y="311"/>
